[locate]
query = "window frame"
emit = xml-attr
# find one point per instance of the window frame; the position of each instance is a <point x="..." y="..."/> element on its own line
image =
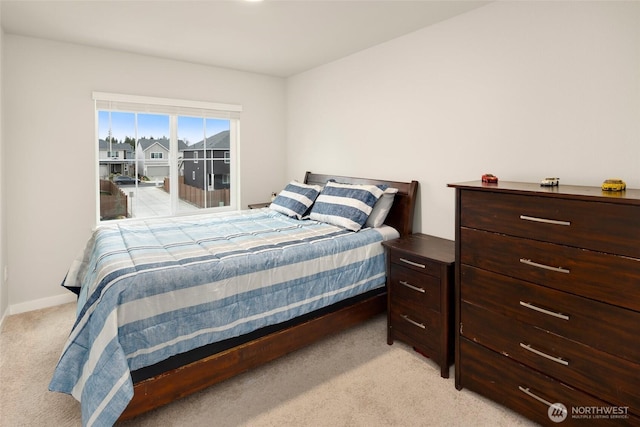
<point x="172" y="108"/>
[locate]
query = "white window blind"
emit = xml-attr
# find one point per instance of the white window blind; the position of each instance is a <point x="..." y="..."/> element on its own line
<point x="178" y="107"/>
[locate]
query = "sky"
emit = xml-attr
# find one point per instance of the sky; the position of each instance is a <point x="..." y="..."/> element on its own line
<point x="190" y="129"/>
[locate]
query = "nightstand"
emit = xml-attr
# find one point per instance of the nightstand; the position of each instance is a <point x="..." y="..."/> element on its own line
<point x="420" y="279"/>
<point x="258" y="205"/>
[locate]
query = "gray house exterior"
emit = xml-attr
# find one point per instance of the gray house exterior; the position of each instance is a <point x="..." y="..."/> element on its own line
<point x="207" y="164"/>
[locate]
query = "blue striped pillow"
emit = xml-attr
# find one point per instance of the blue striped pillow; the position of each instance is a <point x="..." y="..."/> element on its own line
<point x="296" y="199"/>
<point x="346" y="205"/>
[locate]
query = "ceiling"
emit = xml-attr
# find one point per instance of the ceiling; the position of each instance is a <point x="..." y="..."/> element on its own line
<point x="273" y="37"/>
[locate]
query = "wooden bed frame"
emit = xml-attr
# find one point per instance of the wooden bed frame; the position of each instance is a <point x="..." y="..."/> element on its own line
<point x="193" y="377"/>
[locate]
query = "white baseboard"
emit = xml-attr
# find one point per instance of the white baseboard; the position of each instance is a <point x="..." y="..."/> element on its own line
<point x="41" y="303"/>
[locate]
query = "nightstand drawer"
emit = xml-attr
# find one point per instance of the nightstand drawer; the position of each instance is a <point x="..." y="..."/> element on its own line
<point x="411" y="288"/>
<point x="430" y="318"/>
<point x="416" y="263"/>
<point x="418" y="329"/>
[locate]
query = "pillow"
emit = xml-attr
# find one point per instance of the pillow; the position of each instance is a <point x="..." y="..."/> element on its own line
<point x="381" y="208"/>
<point x="296" y="199"/>
<point x="346" y="205"/>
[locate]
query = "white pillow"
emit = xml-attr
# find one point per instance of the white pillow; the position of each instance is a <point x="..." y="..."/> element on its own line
<point x="381" y="208"/>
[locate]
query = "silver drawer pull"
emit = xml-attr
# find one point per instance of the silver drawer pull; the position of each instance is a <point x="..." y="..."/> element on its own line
<point x="545" y="311"/>
<point x="545" y="355"/>
<point x="529" y="393"/>
<point x="556" y="410"/>
<point x="545" y="220"/>
<point x="415" y="264"/>
<point x="413" y="322"/>
<point x="410" y="286"/>
<point x="546" y="267"/>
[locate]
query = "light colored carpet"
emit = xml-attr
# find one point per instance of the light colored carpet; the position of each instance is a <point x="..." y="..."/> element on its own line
<point x="350" y="379"/>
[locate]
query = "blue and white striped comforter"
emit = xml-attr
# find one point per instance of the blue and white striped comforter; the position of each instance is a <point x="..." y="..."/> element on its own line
<point x="153" y="289"/>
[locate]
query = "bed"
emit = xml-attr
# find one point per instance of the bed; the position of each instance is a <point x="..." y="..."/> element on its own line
<point x="168" y="307"/>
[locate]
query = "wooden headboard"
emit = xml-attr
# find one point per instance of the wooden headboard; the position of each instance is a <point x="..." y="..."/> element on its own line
<point x="401" y="215"/>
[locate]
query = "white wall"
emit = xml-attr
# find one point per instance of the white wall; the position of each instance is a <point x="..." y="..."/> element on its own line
<point x="4" y="288"/>
<point x="522" y="90"/>
<point x="48" y="143"/>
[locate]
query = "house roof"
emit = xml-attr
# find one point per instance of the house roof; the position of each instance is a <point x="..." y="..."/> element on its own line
<point x="116" y="146"/>
<point x="219" y="141"/>
<point x="146" y="143"/>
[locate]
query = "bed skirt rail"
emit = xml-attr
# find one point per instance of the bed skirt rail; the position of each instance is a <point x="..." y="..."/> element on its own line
<point x="181" y="382"/>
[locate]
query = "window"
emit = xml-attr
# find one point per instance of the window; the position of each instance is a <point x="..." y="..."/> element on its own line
<point x="142" y="144"/>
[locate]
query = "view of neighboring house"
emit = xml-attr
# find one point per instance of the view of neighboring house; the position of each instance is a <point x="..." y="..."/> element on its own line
<point x="152" y="157"/>
<point x="207" y="163"/>
<point x="115" y="159"/>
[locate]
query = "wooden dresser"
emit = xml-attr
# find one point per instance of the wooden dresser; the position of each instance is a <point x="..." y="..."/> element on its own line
<point x="548" y="300"/>
<point x="420" y="295"/>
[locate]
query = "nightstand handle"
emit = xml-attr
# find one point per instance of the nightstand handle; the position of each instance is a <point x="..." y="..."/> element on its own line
<point x="410" y="286"/>
<point x="413" y="322"/>
<point x="415" y="264"/>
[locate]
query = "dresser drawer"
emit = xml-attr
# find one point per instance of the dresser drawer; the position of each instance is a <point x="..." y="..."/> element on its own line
<point x="611" y="378"/>
<point x="409" y="287"/>
<point x="609" y="278"/>
<point x="607" y="227"/>
<point x="416" y="263"/>
<point x="532" y="393"/>
<point x="593" y="323"/>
